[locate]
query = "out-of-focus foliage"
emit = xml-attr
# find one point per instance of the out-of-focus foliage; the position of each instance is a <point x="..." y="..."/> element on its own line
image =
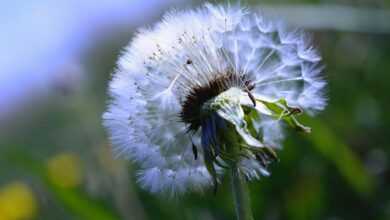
<point x="56" y="163"/>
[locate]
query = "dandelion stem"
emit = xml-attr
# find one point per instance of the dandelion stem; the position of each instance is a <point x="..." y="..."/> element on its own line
<point x="240" y="195"/>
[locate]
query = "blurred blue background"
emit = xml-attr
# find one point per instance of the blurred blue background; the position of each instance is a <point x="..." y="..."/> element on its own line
<point x="55" y="159"/>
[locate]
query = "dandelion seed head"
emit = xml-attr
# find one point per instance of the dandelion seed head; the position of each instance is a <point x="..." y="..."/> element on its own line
<point x="168" y="71"/>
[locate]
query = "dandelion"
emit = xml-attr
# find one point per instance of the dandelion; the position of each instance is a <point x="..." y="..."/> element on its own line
<point x="64" y="170"/>
<point x="17" y="202"/>
<point x="206" y="92"/>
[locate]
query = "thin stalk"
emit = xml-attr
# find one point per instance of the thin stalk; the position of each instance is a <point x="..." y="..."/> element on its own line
<point x="240" y="195"/>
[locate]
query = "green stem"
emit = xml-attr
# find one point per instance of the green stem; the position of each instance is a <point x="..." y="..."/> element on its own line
<point x="240" y="195"/>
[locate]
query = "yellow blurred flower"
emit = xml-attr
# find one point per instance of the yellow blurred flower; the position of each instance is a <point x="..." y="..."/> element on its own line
<point x="64" y="170"/>
<point x="17" y="202"/>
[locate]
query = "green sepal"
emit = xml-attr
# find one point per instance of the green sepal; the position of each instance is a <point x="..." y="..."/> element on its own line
<point x="209" y="162"/>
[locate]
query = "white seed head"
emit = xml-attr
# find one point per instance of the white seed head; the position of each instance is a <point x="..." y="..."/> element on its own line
<point x="159" y="70"/>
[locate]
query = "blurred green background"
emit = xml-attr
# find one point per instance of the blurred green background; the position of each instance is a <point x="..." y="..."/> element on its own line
<point x="56" y="162"/>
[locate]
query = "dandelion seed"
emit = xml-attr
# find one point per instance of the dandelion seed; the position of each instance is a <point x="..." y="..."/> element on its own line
<point x="203" y="78"/>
